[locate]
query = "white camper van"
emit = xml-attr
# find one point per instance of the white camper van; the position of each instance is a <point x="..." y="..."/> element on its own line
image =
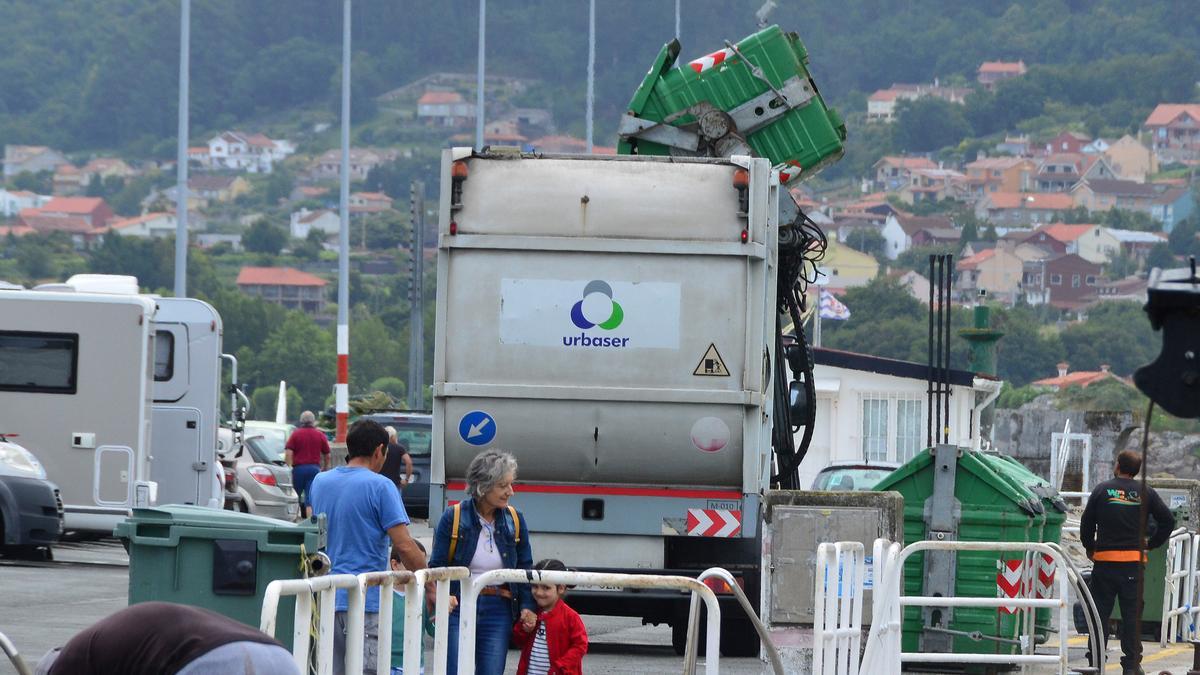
<point x="117" y="393"/>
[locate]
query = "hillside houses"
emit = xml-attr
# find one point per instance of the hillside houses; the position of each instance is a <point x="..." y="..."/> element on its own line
<point x="893" y="173"/>
<point x="1175" y="131"/>
<point x="1000" y="174"/>
<point x="329" y="165"/>
<point x="991" y="72"/>
<point x="881" y="105"/>
<point x="445" y="108"/>
<point x="241" y="151"/>
<point x="20" y="159"/>
<point x="1022" y="208"/>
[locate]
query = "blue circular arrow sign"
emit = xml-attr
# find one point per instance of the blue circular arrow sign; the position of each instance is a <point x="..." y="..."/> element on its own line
<point x="477" y="428"/>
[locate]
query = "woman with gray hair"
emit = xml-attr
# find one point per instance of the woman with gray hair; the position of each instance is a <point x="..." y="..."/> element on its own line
<point x="484" y="533"/>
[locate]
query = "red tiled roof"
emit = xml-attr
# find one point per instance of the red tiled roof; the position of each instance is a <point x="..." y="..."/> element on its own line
<point x="972" y="262"/>
<point x="1002" y="67"/>
<point x="884" y="95"/>
<point x="277" y="276"/>
<point x="45" y="223"/>
<point x="16" y="230"/>
<point x="1064" y="232"/>
<point x="130" y="222"/>
<point x="373" y="196"/>
<point x="79" y="205"/>
<point x="909" y="162"/>
<point x="1080" y="378"/>
<point x="439" y="97"/>
<point x="1058" y="201"/>
<point x="1165" y="113"/>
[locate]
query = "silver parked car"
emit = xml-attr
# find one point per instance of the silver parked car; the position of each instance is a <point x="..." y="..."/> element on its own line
<point x="264" y="481"/>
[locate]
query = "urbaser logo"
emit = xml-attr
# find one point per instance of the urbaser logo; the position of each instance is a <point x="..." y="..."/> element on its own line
<point x="597" y="309"/>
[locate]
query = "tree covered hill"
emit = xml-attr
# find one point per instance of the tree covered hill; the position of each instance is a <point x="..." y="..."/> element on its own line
<point x="81" y="74"/>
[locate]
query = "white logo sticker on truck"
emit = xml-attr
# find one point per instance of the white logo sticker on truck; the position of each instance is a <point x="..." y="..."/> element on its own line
<point x="593" y="314"/>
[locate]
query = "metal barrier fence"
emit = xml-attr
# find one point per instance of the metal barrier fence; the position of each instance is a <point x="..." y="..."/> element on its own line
<point x="326" y="587"/>
<point x="883" y="651"/>
<point x="839" y="588"/>
<point x="1180" y="602"/>
<point x="414" y="583"/>
<point x="470" y="596"/>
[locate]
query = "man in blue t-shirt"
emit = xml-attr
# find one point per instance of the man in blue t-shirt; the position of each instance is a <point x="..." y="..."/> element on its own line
<point x="364" y="520"/>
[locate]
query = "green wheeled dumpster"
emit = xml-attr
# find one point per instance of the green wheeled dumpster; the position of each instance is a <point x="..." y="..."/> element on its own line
<point x="982" y="497"/>
<point x="755" y="97"/>
<point x="218" y="560"/>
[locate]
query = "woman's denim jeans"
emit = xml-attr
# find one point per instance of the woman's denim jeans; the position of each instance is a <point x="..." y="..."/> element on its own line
<point x="493" y="629"/>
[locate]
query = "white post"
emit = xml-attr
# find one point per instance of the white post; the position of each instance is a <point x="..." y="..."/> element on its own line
<point x="342" y="388"/>
<point x="181" y="155"/>
<point x="479" y="76"/>
<point x="676" y="19"/>
<point x="591" y="71"/>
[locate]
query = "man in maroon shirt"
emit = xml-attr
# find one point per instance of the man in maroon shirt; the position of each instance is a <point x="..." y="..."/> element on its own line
<point x="307" y="454"/>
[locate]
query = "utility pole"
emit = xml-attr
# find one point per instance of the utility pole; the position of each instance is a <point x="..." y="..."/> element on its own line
<point x="342" y="387"/>
<point x="591" y="75"/>
<point x="479" y="77"/>
<point x="676" y="19"/>
<point x="416" y="290"/>
<point x="181" y="156"/>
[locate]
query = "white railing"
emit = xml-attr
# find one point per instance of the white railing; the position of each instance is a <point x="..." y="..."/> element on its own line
<point x="883" y="651"/>
<point x="693" y="625"/>
<point x="326" y="587"/>
<point x="356" y="587"/>
<point x="470" y="595"/>
<point x="838" y="603"/>
<point x="1180" y="602"/>
<point x="10" y="650"/>
<point x="414" y="587"/>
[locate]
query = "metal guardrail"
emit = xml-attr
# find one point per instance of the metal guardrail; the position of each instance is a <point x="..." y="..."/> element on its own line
<point x="839" y="589"/>
<point x="764" y="635"/>
<point x="470" y="596"/>
<point x="326" y="587"/>
<point x="883" y="651"/>
<point x="10" y="650"/>
<point x="1180" y="605"/>
<point x="414" y="587"/>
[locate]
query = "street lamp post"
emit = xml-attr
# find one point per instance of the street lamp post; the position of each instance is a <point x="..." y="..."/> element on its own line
<point x="479" y="76"/>
<point x="591" y="71"/>
<point x="181" y="156"/>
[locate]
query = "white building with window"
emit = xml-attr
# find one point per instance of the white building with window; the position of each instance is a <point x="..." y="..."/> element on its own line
<point x="875" y="409"/>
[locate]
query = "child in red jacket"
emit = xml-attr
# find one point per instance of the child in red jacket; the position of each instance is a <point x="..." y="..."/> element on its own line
<point x="554" y="643"/>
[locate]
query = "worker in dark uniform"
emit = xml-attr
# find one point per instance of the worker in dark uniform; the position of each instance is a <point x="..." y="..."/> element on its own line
<point x="1109" y="534"/>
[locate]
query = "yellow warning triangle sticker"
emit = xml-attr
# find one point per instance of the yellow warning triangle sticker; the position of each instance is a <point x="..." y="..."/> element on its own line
<point x="711" y="364"/>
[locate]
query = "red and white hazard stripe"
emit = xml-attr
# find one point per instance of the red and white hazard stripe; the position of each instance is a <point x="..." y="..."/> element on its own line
<point x="1044" y="584"/>
<point x="789" y="171"/>
<point x="1009" y="582"/>
<point x="714" y="59"/>
<point x="713" y="523"/>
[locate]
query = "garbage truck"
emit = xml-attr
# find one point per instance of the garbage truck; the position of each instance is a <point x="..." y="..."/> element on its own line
<point x="615" y="322"/>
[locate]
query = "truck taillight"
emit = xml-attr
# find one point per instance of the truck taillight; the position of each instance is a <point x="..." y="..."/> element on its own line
<point x="741" y="179"/>
<point x="230" y="479"/>
<point x="458" y="174"/>
<point x="262" y="475"/>
<point x="453" y="228"/>
<point x="720" y="586"/>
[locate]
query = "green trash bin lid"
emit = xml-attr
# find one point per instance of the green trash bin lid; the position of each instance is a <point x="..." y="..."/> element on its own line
<point x="164" y="525"/>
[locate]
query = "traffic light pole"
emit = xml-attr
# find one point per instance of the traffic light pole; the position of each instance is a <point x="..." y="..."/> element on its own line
<point x="416" y="296"/>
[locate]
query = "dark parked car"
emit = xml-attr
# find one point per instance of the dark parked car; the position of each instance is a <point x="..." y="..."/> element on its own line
<point x="414" y="430"/>
<point x="31" y="509"/>
<point x="853" y="475"/>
